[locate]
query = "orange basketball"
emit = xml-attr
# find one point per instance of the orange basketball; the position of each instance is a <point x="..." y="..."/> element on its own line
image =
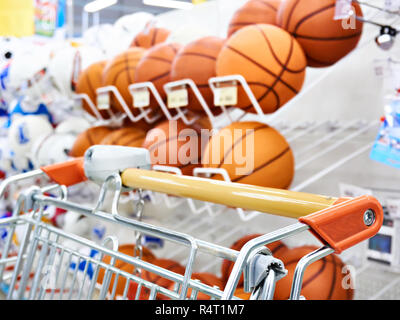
<point x="120" y="72"/>
<point x="89" y="80"/>
<point x="322" y="279"/>
<point x="88" y="138"/>
<point x="252" y="153"/>
<point x="127" y="249"/>
<point x="173" y="143"/>
<point x="129" y="137"/>
<point x="254" y="12"/>
<point x="277" y="248"/>
<point x="154" y="278"/>
<point x="270" y="59"/>
<point x="241" y="294"/>
<point x="197" y="61"/>
<point x="155" y="67"/>
<point x="324" y="39"/>
<point x="206" y="278"/>
<point x="149" y="37"/>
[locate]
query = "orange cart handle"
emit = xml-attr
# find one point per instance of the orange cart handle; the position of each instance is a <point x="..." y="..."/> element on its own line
<point x="66" y="173"/>
<point x="346" y="223"/>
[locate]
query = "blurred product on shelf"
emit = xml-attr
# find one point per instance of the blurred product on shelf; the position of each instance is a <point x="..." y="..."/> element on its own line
<point x="150" y="37"/>
<point x="90" y="79"/>
<point x="89" y="138"/>
<point x="270" y="59"/>
<point x="254" y="12"/>
<point x="129" y="137"/>
<point x="51" y="149"/>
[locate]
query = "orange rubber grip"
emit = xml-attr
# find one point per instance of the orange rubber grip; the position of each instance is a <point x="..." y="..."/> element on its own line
<point x="66" y="173"/>
<point x="346" y="223"/>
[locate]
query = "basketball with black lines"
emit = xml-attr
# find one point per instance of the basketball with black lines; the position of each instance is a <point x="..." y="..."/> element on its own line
<point x="88" y="82"/>
<point x="254" y="12"/>
<point x="150" y="37"/>
<point x="155" y="66"/>
<point x="128" y="137"/>
<point x="277" y="248"/>
<point x="176" y="144"/>
<point x="120" y="72"/>
<point x="88" y="138"/>
<point x="206" y="278"/>
<point x="324" y="279"/>
<point x="251" y="153"/>
<point x="270" y="59"/>
<point x="121" y="285"/>
<point x="167" y="264"/>
<point x="324" y="39"/>
<point x="197" y="61"/>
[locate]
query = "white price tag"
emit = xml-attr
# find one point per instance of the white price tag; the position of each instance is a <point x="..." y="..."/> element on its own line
<point x="343" y="9"/>
<point x="178" y="98"/>
<point x="103" y="101"/>
<point x="393" y="206"/>
<point x="348" y="190"/>
<point x="225" y="96"/>
<point x="141" y="98"/>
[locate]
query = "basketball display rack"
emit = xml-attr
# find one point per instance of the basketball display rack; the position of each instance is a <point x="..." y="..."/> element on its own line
<point x="48" y="263"/>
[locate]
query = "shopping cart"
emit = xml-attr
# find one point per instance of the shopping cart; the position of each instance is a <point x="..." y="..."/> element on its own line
<point x="49" y="263"/>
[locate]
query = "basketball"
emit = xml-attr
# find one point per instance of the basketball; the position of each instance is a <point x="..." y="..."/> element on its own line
<point x="252" y="153"/>
<point x="324" y="39"/>
<point x="206" y="278"/>
<point x="241" y="294"/>
<point x="254" y="12"/>
<point x="88" y="82"/>
<point x="120" y="72"/>
<point x="156" y="279"/>
<point x="196" y="61"/>
<point x="155" y="67"/>
<point x="127" y="249"/>
<point x="322" y="279"/>
<point x="128" y="137"/>
<point x="270" y="59"/>
<point x="150" y="37"/>
<point x="88" y="138"/>
<point x="277" y="248"/>
<point x="173" y="143"/>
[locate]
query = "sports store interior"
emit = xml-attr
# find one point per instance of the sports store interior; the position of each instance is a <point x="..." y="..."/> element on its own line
<point x="199" y="150"/>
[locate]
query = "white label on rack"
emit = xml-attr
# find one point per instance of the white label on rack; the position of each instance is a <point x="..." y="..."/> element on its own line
<point x="225" y="96"/>
<point x="141" y="98"/>
<point x="178" y="98"/>
<point x="343" y="9"/>
<point x="348" y="190"/>
<point x="103" y="101"/>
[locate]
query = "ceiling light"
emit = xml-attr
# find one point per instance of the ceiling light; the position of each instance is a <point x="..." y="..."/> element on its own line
<point x="169" y="4"/>
<point x="98" y="5"/>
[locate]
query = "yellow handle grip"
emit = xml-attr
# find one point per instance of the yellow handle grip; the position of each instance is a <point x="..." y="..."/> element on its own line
<point x="274" y="201"/>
